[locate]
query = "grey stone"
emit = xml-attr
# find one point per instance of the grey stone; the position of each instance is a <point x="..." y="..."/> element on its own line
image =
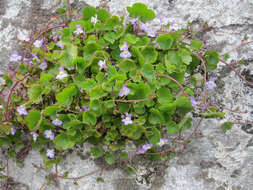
<point x="217" y="160"/>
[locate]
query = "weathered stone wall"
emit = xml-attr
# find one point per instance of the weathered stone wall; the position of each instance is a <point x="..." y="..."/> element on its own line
<point x="217" y="161"/>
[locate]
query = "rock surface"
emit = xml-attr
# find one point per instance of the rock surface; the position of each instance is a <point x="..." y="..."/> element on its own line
<point x="217" y="161"/>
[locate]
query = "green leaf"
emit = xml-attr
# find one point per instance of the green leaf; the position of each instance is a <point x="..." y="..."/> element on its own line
<point x="213" y="114"/>
<point x="103" y="15"/>
<point x="52" y="110"/>
<point x="165" y="41"/>
<point x="123" y="156"/>
<point x="110" y="37"/>
<point x="185" y="56"/>
<point x="127" y="65"/>
<point x="89" y="117"/>
<point x="5" y="128"/>
<point x="140" y="10"/>
<point x="45" y="77"/>
<point x="196" y="45"/>
<point x="155" y="117"/>
<point x="12" y="153"/>
<point x="212" y="59"/>
<point x="88" y="12"/>
<point x="35" y="93"/>
<point x="227" y="126"/>
<point x="65" y="97"/>
<point x="132" y="131"/>
<point x="97" y="93"/>
<point x="130" y="169"/>
<point x="138" y="91"/>
<point x="96" y="152"/>
<point x="164" y="96"/>
<point x="153" y="136"/>
<point x="33" y="119"/>
<point x="88" y="84"/>
<point x="184" y="105"/>
<point x="148" y="72"/>
<point x="109" y="158"/>
<point x="185" y="123"/>
<point x="80" y="64"/>
<point x="150" y="54"/>
<point x="100" y="179"/>
<point x="96" y="107"/>
<point x="69" y="55"/>
<point x="131" y="39"/>
<point x="172" y="127"/>
<point x="63" y="141"/>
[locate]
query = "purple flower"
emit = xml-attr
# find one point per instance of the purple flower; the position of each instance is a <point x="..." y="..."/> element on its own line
<point x="211" y="84"/>
<point x="124" y="91"/>
<point x="59" y="44"/>
<point x="147" y="146"/>
<point x="152" y="32"/>
<point x="13" y="130"/>
<point x="23" y="37"/>
<point x="141" y="150"/>
<point x="125" y="54"/>
<point x="163" y="20"/>
<point x="163" y="142"/>
<point x="35" y="136"/>
<point x="102" y="65"/>
<point x="15" y="56"/>
<point x="1" y="106"/>
<point x="146" y="26"/>
<point x="22" y="110"/>
<point x="49" y="134"/>
<point x="85" y="108"/>
<point x="57" y="122"/>
<point x="134" y="21"/>
<point x="79" y="29"/>
<point x="194" y="102"/>
<point x="94" y="20"/>
<point x="50" y="153"/>
<point x="124" y="47"/>
<point x="38" y="43"/>
<point x="127" y="120"/>
<point x="61" y="74"/>
<point x="174" y="25"/>
<point x="43" y="65"/>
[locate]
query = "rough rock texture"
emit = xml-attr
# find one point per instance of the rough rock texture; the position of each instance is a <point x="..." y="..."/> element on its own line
<point x="217" y="161"/>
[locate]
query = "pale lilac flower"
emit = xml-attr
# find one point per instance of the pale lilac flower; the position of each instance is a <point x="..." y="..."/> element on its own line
<point x="141" y="150"/>
<point x="81" y="90"/>
<point x="147" y="146"/>
<point x="124" y="47"/>
<point x="174" y="25"/>
<point x="79" y="29"/>
<point x="134" y="21"/>
<point x="127" y="120"/>
<point x="23" y="37"/>
<point x="146" y="26"/>
<point x="59" y="44"/>
<point x="15" y="56"/>
<point x="124" y="91"/>
<point x="194" y="102"/>
<point x="211" y="84"/>
<point x="57" y="122"/>
<point x="49" y="134"/>
<point x="94" y="20"/>
<point x="43" y="65"/>
<point x="50" y="153"/>
<point x="125" y="54"/>
<point x="1" y="106"/>
<point x="102" y="64"/>
<point x="38" y="43"/>
<point x="85" y="108"/>
<point x="163" y="20"/>
<point x="152" y="32"/>
<point x="61" y="74"/>
<point x="22" y="110"/>
<point x="35" y="136"/>
<point x="13" y="130"/>
<point x="163" y="142"/>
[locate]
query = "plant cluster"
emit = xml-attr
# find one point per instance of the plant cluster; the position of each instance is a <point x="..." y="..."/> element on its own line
<point x="108" y="81"/>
